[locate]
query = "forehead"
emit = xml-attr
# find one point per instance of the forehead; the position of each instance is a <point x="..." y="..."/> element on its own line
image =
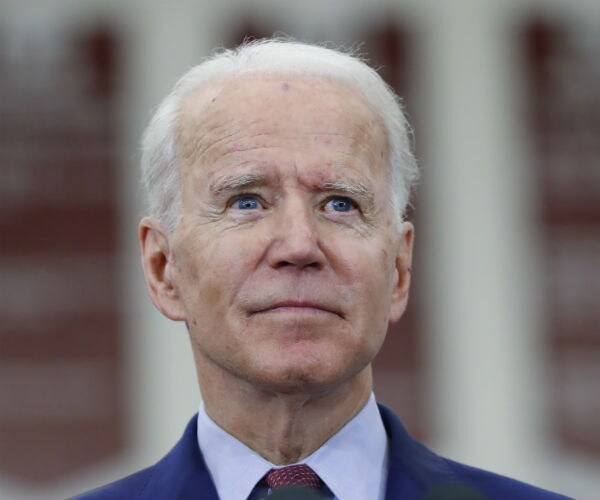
<point x="259" y="112"/>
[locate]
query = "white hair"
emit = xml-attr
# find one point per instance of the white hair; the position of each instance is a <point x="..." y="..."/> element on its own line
<point x="160" y="169"/>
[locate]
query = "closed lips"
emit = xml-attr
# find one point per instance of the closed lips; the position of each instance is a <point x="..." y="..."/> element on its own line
<point x="298" y="306"/>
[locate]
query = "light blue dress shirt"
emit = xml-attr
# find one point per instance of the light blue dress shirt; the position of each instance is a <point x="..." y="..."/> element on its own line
<point x="352" y="463"/>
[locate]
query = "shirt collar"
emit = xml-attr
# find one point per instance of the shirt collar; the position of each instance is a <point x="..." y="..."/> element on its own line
<point x="235" y="469"/>
<point x="352" y="463"/>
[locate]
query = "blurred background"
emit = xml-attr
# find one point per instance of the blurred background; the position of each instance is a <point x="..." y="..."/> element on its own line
<point x="497" y="361"/>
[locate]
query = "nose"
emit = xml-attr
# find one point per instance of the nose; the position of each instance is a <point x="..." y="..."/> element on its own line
<point x="295" y="239"/>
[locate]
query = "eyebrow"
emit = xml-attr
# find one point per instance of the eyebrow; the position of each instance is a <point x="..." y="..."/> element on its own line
<point x="352" y="189"/>
<point x="233" y="183"/>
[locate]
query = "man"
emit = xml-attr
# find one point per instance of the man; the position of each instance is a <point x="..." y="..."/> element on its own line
<point x="277" y="177"/>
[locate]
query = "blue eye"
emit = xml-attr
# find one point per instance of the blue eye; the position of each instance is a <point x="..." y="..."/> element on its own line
<point x="246" y="203"/>
<point x="341" y="204"/>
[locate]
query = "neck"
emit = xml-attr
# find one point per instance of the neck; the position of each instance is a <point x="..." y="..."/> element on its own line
<point x="283" y="428"/>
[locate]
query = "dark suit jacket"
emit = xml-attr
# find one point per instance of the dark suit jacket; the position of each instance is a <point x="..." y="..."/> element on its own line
<point x="414" y="473"/>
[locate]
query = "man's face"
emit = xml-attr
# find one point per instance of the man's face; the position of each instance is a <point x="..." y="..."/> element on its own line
<point x="287" y="264"/>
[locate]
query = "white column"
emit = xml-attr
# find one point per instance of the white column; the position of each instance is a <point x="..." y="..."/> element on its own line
<point x="163" y="392"/>
<point x="476" y="228"/>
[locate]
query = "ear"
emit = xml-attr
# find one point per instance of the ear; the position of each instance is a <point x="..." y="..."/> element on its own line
<point x="402" y="272"/>
<point x="157" y="263"/>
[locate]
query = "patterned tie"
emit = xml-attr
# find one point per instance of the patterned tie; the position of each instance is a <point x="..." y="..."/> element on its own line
<point x="300" y="474"/>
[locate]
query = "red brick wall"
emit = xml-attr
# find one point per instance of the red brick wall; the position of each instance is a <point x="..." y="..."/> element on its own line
<point x="564" y="95"/>
<point x="60" y="328"/>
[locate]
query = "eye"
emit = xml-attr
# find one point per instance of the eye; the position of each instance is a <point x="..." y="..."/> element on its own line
<point x="340" y="204"/>
<point x="247" y="202"/>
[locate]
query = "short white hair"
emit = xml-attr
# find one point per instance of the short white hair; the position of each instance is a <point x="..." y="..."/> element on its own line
<point x="160" y="169"/>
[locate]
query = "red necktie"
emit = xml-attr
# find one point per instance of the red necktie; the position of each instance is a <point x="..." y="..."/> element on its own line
<point x="300" y="474"/>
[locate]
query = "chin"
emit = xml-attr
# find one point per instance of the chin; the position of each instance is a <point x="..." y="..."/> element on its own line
<point x="296" y="383"/>
<point x="312" y="376"/>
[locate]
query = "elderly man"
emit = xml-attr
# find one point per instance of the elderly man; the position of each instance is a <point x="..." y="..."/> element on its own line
<point x="277" y="176"/>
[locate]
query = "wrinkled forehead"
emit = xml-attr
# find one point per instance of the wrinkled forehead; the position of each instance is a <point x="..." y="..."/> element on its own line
<point x="267" y="103"/>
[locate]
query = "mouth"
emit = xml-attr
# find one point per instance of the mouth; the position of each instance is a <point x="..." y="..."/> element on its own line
<point x="298" y="307"/>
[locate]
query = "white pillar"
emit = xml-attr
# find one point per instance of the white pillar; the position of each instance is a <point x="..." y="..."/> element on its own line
<point x="476" y="226"/>
<point x="163" y="392"/>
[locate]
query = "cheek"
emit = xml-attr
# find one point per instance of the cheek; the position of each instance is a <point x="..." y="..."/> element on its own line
<point x="212" y="274"/>
<point x="196" y="277"/>
<point x="374" y="267"/>
<point x="368" y="275"/>
<point x="379" y="286"/>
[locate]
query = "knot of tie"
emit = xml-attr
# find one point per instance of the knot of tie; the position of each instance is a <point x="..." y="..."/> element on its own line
<point x="301" y="475"/>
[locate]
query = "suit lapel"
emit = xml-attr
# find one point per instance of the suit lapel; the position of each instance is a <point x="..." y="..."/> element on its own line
<point x="182" y="474"/>
<point x="413" y="469"/>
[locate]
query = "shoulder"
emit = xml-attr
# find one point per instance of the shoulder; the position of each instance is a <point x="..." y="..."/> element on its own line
<point x="497" y="487"/>
<point x="416" y="470"/>
<point x="129" y="487"/>
<point x="181" y="474"/>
